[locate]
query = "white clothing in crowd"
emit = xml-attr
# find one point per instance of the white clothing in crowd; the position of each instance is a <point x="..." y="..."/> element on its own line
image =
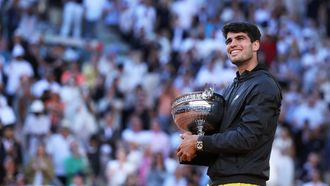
<point x="58" y="147"/>
<point x="72" y="19"/>
<point x="126" y="20"/>
<point x="84" y="121"/>
<point x="282" y="168"/>
<point x="94" y="9"/>
<point x="134" y="71"/>
<point x="7" y="115"/>
<point x="159" y="140"/>
<point x="118" y="169"/>
<point x="42" y="85"/>
<point x="37" y="125"/>
<point x="150" y="83"/>
<point x="177" y="178"/>
<point x="185" y="17"/>
<point x="140" y="138"/>
<point x="16" y="69"/>
<point x="209" y="73"/>
<point x="145" y="18"/>
<point x="72" y="99"/>
<point x="27" y="27"/>
<point x="311" y="113"/>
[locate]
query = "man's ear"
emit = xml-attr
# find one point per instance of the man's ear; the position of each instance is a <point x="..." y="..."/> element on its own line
<point x="256" y="45"/>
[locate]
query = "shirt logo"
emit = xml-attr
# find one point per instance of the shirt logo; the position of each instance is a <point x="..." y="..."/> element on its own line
<point x="236" y="97"/>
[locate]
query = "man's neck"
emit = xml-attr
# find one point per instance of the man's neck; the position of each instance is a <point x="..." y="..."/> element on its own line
<point x="247" y="67"/>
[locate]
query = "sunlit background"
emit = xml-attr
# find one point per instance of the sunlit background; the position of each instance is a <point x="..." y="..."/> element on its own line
<point x="86" y="87"/>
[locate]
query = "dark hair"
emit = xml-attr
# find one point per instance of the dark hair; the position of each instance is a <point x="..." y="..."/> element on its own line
<point x="250" y="29"/>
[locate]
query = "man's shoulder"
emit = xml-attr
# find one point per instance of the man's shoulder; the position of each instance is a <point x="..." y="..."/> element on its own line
<point x="264" y="76"/>
<point x="266" y="82"/>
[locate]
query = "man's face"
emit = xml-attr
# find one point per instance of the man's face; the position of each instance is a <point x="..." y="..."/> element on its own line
<point x="240" y="48"/>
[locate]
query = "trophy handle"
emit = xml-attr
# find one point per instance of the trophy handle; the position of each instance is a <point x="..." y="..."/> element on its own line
<point x="208" y="92"/>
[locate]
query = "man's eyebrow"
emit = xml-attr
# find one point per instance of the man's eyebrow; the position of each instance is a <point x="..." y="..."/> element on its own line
<point x="241" y="35"/>
<point x="227" y="40"/>
<point x="237" y="36"/>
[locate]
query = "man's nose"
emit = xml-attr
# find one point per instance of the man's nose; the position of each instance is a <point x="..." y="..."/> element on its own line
<point x="233" y="43"/>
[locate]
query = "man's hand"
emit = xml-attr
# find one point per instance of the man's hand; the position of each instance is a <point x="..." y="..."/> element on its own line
<point x="187" y="149"/>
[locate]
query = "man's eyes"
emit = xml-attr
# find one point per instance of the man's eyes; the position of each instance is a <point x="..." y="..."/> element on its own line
<point x="237" y="38"/>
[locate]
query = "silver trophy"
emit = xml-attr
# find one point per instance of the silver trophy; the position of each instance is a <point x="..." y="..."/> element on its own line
<point x="198" y="112"/>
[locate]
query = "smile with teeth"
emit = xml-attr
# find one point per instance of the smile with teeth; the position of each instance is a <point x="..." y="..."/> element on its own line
<point x="234" y="52"/>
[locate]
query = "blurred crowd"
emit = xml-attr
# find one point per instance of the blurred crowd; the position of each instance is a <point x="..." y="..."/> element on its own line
<point x="86" y="87"/>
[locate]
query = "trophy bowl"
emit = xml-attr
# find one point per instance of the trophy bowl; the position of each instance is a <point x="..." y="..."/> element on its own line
<point x="198" y="112"/>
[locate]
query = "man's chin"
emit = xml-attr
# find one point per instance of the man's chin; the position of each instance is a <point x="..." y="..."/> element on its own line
<point x="236" y="62"/>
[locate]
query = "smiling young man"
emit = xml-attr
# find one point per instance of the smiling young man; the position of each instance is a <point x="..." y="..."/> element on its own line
<point x="243" y="143"/>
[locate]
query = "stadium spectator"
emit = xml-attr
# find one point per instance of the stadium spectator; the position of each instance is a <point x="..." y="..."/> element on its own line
<point x="39" y="170"/>
<point x="149" y="52"/>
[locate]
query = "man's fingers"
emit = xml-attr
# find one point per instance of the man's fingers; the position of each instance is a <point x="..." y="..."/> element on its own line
<point x="179" y="153"/>
<point x="178" y="149"/>
<point x="185" y="157"/>
<point x="183" y="135"/>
